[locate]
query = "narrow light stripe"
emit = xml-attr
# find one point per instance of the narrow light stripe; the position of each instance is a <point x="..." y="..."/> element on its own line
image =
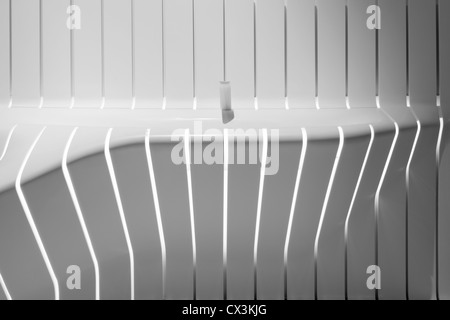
<point x="438" y="164"/>
<point x="350" y="209"/>
<point x="292" y="212"/>
<point x="225" y="210"/>
<point x="377" y="194"/>
<point x="187" y="148"/>
<point x="8" y="139"/>
<point x="77" y="206"/>
<point x="325" y="205"/>
<point x="258" y="210"/>
<point x="5" y="289"/>
<point x="30" y="219"/>
<point x="120" y="207"/>
<point x="157" y="211"/>
<point x="408" y="167"/>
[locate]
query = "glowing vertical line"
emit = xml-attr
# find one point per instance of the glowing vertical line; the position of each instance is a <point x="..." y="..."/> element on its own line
<point x="120" y="207"/>
<point x="187" y="148"/>
<point x="77" y="206"/>
<point x="350" y="209"/>
<point x="157" y="211"/>
<point x="30" y="219"/>
<point x="324" y="207"/>
<point x="292" y="212"/>
<point x="438" y="164"/>
<point x="258" y="211"/>
<point x="377" y="195"/>
<point x="225" y="210"/>
<point x="408" y="192"/>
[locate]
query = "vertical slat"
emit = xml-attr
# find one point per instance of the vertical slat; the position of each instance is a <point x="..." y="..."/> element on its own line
<point x="179" y="53"/>
<point x="361" y="239"/>
<point x="331" y="243"/>
<point x="270" y="58"/>
<point x="56" y="55"/>
<point x="392" y="193"/>
<point x="133" y="179"/>
<point x="54" y="214"/>
<point x="22" y="265"/>
<point x="361" y="56"/>
<point x="209" y="64"/>
<point x="331" y="53"/>
<point x="171" y="181"/>
<point x="94" y="190"/>
<point x="148" y="59"/>
<point x="207" y="189"/>
<point x="87" y="55"/>
<point x="279" y="183"/>
<point x="240" y="45"/>
<point x="301" y="53"/>
<point x="422" y="207"/>
<point x="392" y="57"/>
<point x="444" y="174"/>
<point x="243" y="186"/>
<point x="317" y="168"/>
<point x="4" y="54"/>
<point x="118" y="54"/>
<point x="26" y="56"/>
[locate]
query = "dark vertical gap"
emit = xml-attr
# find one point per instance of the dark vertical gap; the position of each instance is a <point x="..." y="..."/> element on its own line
<point x="254" y="52"/>
<point x="438" y="58"/>
<point x="133" y="57"/>
<point x="377" y="53"/>
<point x="72" y="77"/>
<point x="285" y="52"/>
<point x="163" y="53"/>
<point x="224" y="27"/>
<point x="193" y="49"/>
<point x="346" y="49"/>
<point x="407" y="186"/>
<point x="10" y="56"/>
<point x="41" y="57"/>
<point x="102" y="17"/>
<point x="316" y="43"/>
<point x="407" y="48"/>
